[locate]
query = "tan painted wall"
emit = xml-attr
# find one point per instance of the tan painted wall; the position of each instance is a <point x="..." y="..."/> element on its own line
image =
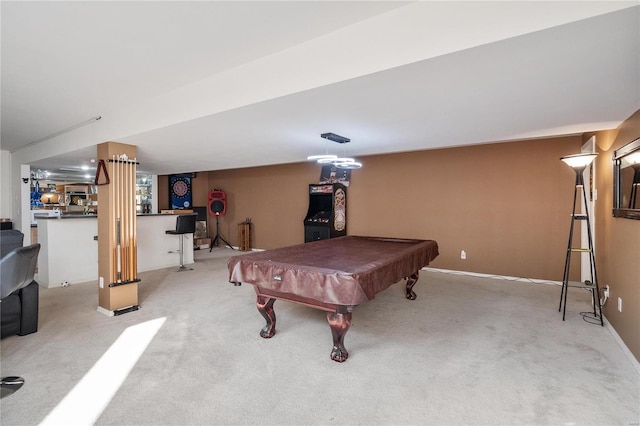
<point x="618" y="241"/>
<point x="507" y="204"/>
<point x="275" y="198"/>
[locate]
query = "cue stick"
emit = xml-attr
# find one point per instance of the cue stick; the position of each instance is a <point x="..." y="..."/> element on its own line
<point x="118" y="254"/>
<point x="114" y="234"/>
<point x="133" y="219"/>
<point x="129" y="220"/>
<point x="125" y="182"/>
<point x="120" y="217"/>
<point x="132" y="191"/>
<point x="118" y="214"/>
<point x="135" y="237"/>
<point x="125" y="215"/>
<point x="112" y="229"/>
<point x="128" y="199"/>
<point x="123" y="173"/>
<point x="123" y="222"/>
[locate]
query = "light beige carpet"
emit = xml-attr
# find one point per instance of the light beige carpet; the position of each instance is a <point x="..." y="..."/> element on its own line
<point x="468" y="350"/>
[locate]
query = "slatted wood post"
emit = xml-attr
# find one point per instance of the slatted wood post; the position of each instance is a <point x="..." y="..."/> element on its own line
<point x="117" y="248"/>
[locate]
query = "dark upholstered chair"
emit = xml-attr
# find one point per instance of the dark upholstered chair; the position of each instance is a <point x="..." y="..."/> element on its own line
<point x="19" y="291"/>
<point x="185" y="224"/>
<point x="10" y="239"/>
<point x="18" y="301"/>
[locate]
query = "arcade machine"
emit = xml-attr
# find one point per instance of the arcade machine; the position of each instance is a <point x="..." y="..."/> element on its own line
<point x="327" y="214"/>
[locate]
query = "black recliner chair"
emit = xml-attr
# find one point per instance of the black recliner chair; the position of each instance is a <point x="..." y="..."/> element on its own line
<point x="18" y="301"/>
<point x="10" y="239"/>
<point x="19" y="292"/>
<point x="185" y="224"/>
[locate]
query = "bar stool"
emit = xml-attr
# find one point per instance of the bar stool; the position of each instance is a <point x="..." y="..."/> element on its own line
<point x="185" y="224"/>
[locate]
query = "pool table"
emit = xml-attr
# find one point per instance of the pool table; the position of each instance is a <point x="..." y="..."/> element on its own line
<point x="334" y="275"/>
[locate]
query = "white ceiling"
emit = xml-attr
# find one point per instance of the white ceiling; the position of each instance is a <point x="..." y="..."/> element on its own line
<point x="216" y="85"/>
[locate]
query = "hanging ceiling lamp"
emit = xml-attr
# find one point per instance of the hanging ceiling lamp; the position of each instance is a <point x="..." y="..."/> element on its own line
<point x="339" y="162"/>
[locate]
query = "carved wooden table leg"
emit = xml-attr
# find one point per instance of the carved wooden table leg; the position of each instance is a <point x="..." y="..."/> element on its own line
<point x="265" y="307"/>
<point x="410" y="283"/>
<point x="339" y="323"/>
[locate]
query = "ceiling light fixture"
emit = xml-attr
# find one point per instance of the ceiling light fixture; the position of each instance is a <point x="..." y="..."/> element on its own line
<point x="338" y="162"/>
<point x="335" y="138"/>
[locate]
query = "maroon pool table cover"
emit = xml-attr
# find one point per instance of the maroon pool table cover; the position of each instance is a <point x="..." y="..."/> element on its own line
<point x="342" y="271"/>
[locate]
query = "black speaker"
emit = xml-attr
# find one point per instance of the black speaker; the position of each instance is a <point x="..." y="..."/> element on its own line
<point x="217" y="203"/>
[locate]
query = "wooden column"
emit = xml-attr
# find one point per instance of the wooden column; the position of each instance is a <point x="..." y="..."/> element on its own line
<point x="117" y="248"/>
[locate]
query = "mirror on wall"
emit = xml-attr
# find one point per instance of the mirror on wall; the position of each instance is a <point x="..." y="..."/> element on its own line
<point x="626" y="181"/>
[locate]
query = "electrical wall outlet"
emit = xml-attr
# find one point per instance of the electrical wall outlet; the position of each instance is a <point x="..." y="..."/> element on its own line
<point x="606" y="291"/>
<point x="102" y="283"/>
<point x="463" y="255"/>
<point x="619" y="304"/>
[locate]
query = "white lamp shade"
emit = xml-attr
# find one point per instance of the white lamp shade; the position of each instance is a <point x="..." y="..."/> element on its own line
<point x="578" y="161"/>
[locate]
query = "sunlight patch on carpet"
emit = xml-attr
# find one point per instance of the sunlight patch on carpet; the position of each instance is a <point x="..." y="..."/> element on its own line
<point x="88" y="399"/>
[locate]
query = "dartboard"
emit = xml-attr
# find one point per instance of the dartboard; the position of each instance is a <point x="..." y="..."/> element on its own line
<point x="180" y="191"/>
<point x="180" y="188"/>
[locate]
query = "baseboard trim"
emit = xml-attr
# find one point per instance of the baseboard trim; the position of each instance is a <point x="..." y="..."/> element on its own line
<point x="634" y="362"/>
<point x="105" y="311"/>
<point x="498" y="277"/>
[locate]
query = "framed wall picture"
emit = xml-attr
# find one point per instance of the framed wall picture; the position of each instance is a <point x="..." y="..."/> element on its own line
<point x="180" y="191"/>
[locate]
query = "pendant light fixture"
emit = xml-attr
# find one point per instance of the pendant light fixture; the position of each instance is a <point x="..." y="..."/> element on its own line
<point x="338" y="162"/>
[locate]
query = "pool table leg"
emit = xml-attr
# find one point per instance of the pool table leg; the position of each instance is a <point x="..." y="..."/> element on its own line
<point x="265" y="307"/>
<point x="339" y="323"/>
<point x="410" y="283"/>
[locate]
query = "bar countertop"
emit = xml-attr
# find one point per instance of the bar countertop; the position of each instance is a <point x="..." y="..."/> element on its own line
<point x="88" y="216"/>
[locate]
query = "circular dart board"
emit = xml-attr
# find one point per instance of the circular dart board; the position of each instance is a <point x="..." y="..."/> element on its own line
<point x="180" y="192"/>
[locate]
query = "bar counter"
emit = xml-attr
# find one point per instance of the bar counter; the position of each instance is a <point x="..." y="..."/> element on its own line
<point x="69" y="250"/>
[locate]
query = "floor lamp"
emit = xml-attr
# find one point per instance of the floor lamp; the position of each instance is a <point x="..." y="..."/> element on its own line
<point x="579" y="163"/>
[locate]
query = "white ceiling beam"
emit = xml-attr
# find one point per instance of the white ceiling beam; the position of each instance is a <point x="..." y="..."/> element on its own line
<point x="412" y="33"/>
